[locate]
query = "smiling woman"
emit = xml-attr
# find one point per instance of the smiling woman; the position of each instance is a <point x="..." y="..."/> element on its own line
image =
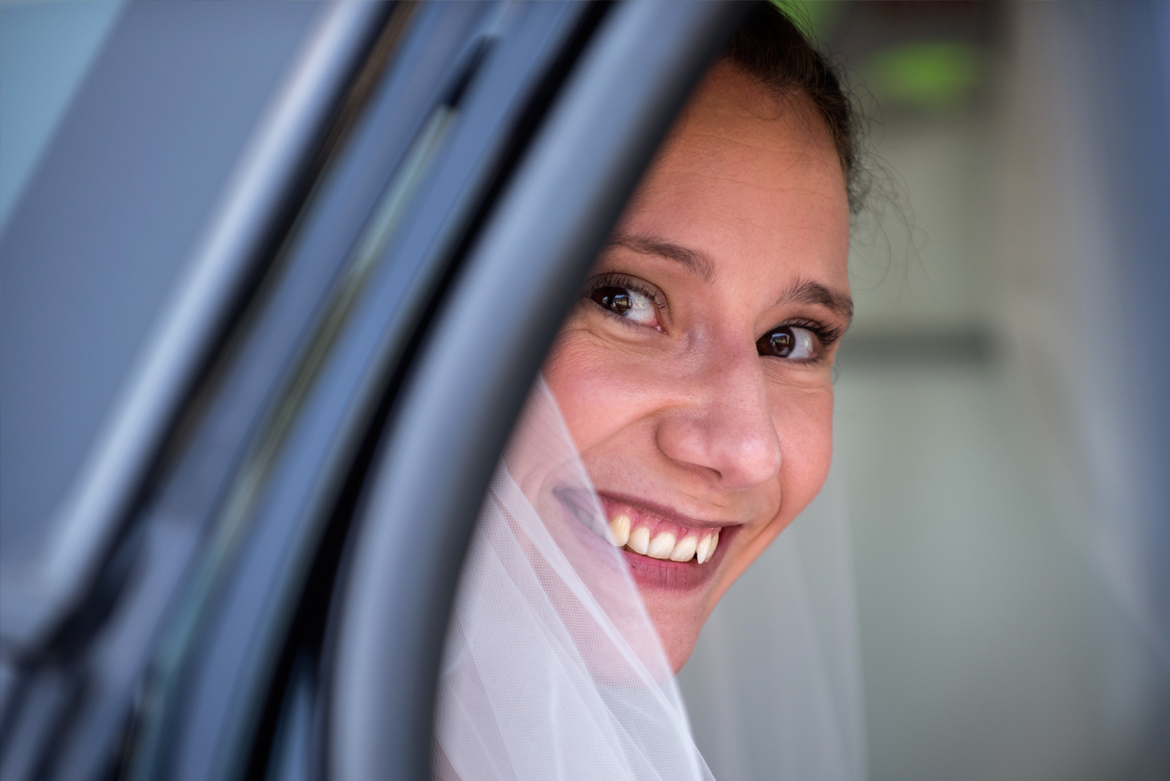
<point x="685" y="418"/>
<point x="695" y="376"/>
<point x="282" y="276"/>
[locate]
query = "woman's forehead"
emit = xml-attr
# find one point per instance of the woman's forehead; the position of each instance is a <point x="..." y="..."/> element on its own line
<point x="747" y="173"/>
<point x="732" y="114"/>
<point x="768" y="216"/>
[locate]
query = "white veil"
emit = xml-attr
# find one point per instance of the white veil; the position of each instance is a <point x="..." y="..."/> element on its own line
<point x="774" y="686"/>
<point x="552" y="668"/>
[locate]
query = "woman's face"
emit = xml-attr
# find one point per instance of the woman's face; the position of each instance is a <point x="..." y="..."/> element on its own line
<point x="694" y="374"/>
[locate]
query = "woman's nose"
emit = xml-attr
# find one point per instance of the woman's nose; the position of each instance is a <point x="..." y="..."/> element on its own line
<point x="724" y="429"/>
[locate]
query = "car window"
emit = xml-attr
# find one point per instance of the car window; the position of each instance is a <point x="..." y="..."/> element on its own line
<point x="94" y="245"/>
<point x="46" y="49"/>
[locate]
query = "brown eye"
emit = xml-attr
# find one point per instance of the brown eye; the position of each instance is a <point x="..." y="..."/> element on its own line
<point x="628" y="303"/>
<point x="787" y="341"/>
<point x="778" y="343"/>
<point x="615" y="299"/>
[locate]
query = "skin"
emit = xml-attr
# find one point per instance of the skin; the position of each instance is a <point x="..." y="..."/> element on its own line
<point x="682" y="418"/>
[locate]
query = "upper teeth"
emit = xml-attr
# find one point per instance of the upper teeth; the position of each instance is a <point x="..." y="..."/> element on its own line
<point x="665" y="544"/>
<point x="619" y="526"/>
<point x="684" y="549"/>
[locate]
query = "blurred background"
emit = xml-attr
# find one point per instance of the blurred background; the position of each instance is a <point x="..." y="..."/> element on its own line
<point x="1001" y="428"/>
<point x="1001" y="433"/>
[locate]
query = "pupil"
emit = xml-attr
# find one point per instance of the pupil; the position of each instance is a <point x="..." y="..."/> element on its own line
<point x="615" y="299"/>
<point x="778" y="343"/>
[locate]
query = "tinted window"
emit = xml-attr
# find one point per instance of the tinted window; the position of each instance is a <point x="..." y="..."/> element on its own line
<point x="107" y="219"/>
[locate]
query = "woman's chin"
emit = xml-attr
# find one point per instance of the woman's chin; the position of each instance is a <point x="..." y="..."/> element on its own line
<point x="677" y="623"/>
<point x="678" y="596"/>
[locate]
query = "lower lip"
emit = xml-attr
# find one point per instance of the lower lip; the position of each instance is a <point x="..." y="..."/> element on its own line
<point x="666" y="575"/>
<point x="658" y="574"/>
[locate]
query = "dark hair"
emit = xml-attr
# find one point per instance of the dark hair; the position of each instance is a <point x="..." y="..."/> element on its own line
<point x="772" y="49"/>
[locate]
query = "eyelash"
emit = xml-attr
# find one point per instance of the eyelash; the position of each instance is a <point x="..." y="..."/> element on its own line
<point x="630" y="283"/>
<point x="825" y="335"/>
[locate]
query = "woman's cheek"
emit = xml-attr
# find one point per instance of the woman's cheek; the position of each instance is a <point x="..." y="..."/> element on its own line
<point x="805" y="427"/>
<point x="586" y="382"/>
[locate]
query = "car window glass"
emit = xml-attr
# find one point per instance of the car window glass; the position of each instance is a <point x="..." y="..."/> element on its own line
<point x="45" y="51"/>
<point x="96" y="241"/>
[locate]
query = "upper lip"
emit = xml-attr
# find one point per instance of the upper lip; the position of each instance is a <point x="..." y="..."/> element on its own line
<point x="666" y="513"/>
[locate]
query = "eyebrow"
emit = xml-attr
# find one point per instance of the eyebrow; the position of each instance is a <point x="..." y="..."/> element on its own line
<point x="696" y="262"/>
<point x="804" y="291"/>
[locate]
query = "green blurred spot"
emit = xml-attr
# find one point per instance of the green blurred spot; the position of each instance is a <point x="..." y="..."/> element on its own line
<point x="930" y="75"/>
<point x="814" y="18"/>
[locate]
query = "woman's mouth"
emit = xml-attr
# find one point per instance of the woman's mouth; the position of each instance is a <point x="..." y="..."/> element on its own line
<point x="675" y="545"/>
<point x="661" y="547"/>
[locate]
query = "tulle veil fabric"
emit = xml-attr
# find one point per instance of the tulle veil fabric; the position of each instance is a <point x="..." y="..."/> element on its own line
<point x="774" y="686"/>
<point x="552" y="669"/>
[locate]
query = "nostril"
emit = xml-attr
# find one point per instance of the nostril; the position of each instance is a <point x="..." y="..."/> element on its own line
<point x="725" y="445"/>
